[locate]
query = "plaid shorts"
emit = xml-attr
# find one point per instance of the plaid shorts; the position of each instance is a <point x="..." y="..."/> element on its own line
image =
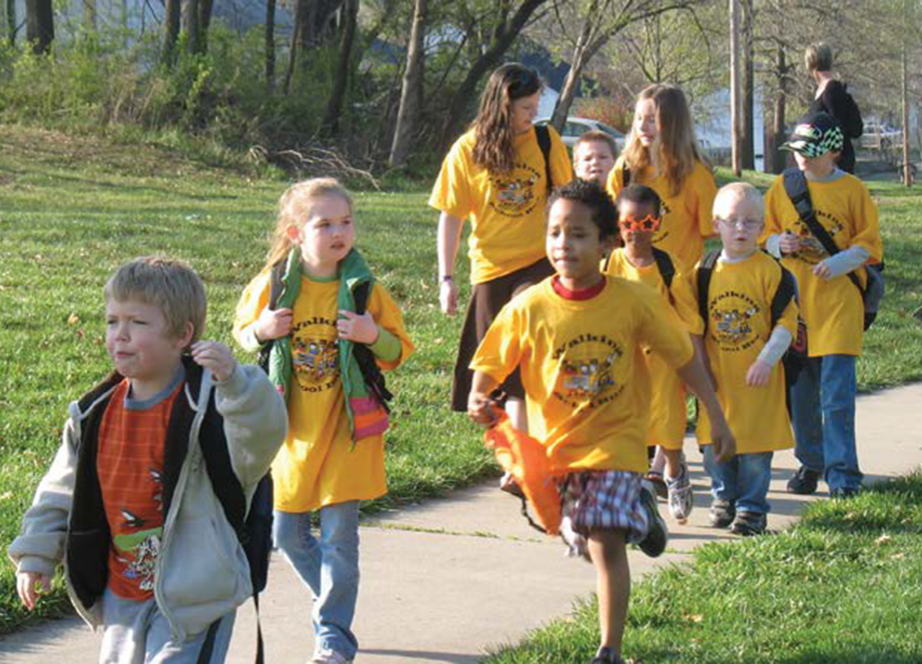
<point x="606" y="500"/>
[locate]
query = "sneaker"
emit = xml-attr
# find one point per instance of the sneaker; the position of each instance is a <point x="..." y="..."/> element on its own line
<point x="326" y="656"/>
<point x="606" y="655"/>
<point x="804" y="481"/>
<point x="577" y="545"/>
<point x="748" y="524"/>
<point x="680" y="496"/>
<point x="658" y="536"/>
<point x="844" y="493"/>
<point x="722" y="513"/>
<point x="659" y="485"/>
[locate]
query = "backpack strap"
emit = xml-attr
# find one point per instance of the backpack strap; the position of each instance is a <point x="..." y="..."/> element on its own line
<point x="625" y="174"/>
<point x="544" y="142"/>
<point x="703" y="278"/>
<point x="785" y="292"/>
<point x="795" y="186"/>
<point x="371" y="372"/>
<point x="665" y="266"/>
<point x="275" y="291"/>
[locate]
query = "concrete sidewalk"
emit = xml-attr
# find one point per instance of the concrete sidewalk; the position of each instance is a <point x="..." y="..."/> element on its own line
<point x="437" y="578"/>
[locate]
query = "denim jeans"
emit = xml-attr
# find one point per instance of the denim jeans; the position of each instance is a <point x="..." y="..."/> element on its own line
<point x="743" y="480"/>
<point x="329" y="566"/>
<point x="823" y="415"/>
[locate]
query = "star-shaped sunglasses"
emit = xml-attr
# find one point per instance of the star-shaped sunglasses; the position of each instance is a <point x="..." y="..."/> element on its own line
<point x="631" y="225"/>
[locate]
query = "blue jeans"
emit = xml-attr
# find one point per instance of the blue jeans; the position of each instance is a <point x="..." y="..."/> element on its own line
<point x="823" y="415"/>
<point x="742" y="481"/>
<point x="329" y="566"/>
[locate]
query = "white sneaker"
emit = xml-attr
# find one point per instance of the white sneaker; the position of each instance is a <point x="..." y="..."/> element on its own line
<point x="679" y="492"/>
<point x="326" y="656"/>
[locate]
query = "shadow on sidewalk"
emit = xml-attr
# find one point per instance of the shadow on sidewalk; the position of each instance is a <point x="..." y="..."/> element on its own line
<point x="450" y="658"/>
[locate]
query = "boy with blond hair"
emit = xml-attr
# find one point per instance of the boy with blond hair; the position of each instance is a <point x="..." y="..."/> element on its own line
<point x="131" y="501"/>
<point x="742" y="332"/>
<point x="594" y="156"/>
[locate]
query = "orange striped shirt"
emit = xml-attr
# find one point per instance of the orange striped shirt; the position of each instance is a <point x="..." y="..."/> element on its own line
<point x="132" y="441"/>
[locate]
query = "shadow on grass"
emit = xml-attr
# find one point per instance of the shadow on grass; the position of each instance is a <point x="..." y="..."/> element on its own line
<point x="870" y="654"/>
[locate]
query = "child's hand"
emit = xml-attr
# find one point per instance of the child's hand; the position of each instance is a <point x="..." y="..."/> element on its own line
<point x="215" y="357"/>
<point x="29" y="585"/>
<point x="448" y="297"/>
<point x="723" y="440"/>
<point x="480" y="409"/>
<point x="360" y="329"/>
<point x="759" y="373"/>
<point x="822" y="270"/>
<point x="789" y="243"/>
<point x="273" y="324"/>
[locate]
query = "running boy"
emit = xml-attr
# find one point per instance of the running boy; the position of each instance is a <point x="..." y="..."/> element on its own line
<point x="129" y="502"/>
<point x="577" y="337"/>
<point x="742" y="346"/>
<point x="594" y="156"/>
<point x="823" y="399"/>
<point x="639" y="216"/>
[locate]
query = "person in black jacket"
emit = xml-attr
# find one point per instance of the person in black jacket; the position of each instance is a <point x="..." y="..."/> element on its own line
<point x="832" y="97"/>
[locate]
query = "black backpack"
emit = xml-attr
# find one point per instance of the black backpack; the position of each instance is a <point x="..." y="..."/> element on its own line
<point x="795" y="185"/>
<point x="543" y="135"/>
<point x="796" y="355"/>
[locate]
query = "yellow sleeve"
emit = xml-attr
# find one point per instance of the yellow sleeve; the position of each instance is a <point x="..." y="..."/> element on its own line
<point x="615" y="181"/>
<point x="685" y="294"/>
<point x="255" y="298"/>
<point x="789" y="317"/>
<point x="500" y="351"/>
<point x="387" y="314"/>
<point x="452" y="192"/>
<point x="867" y="227"/>
<point x="661" y="332"/>
<point x="561" y="166"/>
<point x="705" y="190"/>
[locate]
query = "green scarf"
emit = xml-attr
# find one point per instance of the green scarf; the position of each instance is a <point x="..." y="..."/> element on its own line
<point x="352" y="271"/>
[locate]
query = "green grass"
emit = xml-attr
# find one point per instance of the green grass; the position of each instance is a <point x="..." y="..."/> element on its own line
<point x="844" y="585"/>
<point x="73" y="208"/>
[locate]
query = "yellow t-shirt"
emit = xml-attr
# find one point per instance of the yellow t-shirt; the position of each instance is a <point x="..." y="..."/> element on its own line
<point x="506" y="210"/>
<point x="687" y="215"/>
<point x="739" y="325"/>
<point x="832" y="310"/>
<point x="582" y="366"/>
<point x="318" y="464"/>
<point x="667" y="406"/>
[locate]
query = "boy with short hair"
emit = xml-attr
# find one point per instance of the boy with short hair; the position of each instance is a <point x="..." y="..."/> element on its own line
<point x="131" y="498"/>
<point x="742" y="345"/>
<point x="823" y="399"/>
<point x="639" y="217"/>
<point x="594" y="156"/>
<point x="578" y="339"/>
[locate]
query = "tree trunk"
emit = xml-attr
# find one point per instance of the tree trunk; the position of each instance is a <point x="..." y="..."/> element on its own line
<point x="11" y="21"/>
<point x="578" y="61"/>
<point x="411" y="92"/>
<point x="344" y="66"/>
<point x="89" y="16"/>
<point x="500" y="43"/>
<point x="205" y="10"/>
<point x="301" y="7"/>
<point x="904" y="75"/>
<point x="779" y="158"/>
<point x="270" y="44"/>
<point x="171" y="21"/>
<point x="747" y="134"/>
<point x="735" y="87"/>
<point x="39" y="25"/>
<point x="190" y="19"/>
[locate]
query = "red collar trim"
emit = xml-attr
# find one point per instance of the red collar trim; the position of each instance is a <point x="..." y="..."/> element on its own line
<point x="584" y="294"/>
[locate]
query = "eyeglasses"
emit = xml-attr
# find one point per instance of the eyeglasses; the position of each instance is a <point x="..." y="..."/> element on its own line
<point x="747" y="224"/>
<point x="631" y="225"/>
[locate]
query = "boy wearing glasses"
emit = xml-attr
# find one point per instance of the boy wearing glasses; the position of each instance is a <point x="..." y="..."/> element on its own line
<point x="742" y="350"/>
<point x="639" y="216"/>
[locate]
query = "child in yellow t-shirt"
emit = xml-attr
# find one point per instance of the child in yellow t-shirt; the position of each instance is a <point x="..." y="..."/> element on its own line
<point x="662" y="153"/>
<point x="639" y="218"/>
<point x="743" y="346"/>
<point x="578" y="339"/>
<point x="823" y="398"/>
<point x="594" y="156"/>
<point x="325" y="354"/>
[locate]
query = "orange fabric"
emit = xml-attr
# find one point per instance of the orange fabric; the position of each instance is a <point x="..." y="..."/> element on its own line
<point x="130" y="466"/>
<point x="526" y="458"/>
